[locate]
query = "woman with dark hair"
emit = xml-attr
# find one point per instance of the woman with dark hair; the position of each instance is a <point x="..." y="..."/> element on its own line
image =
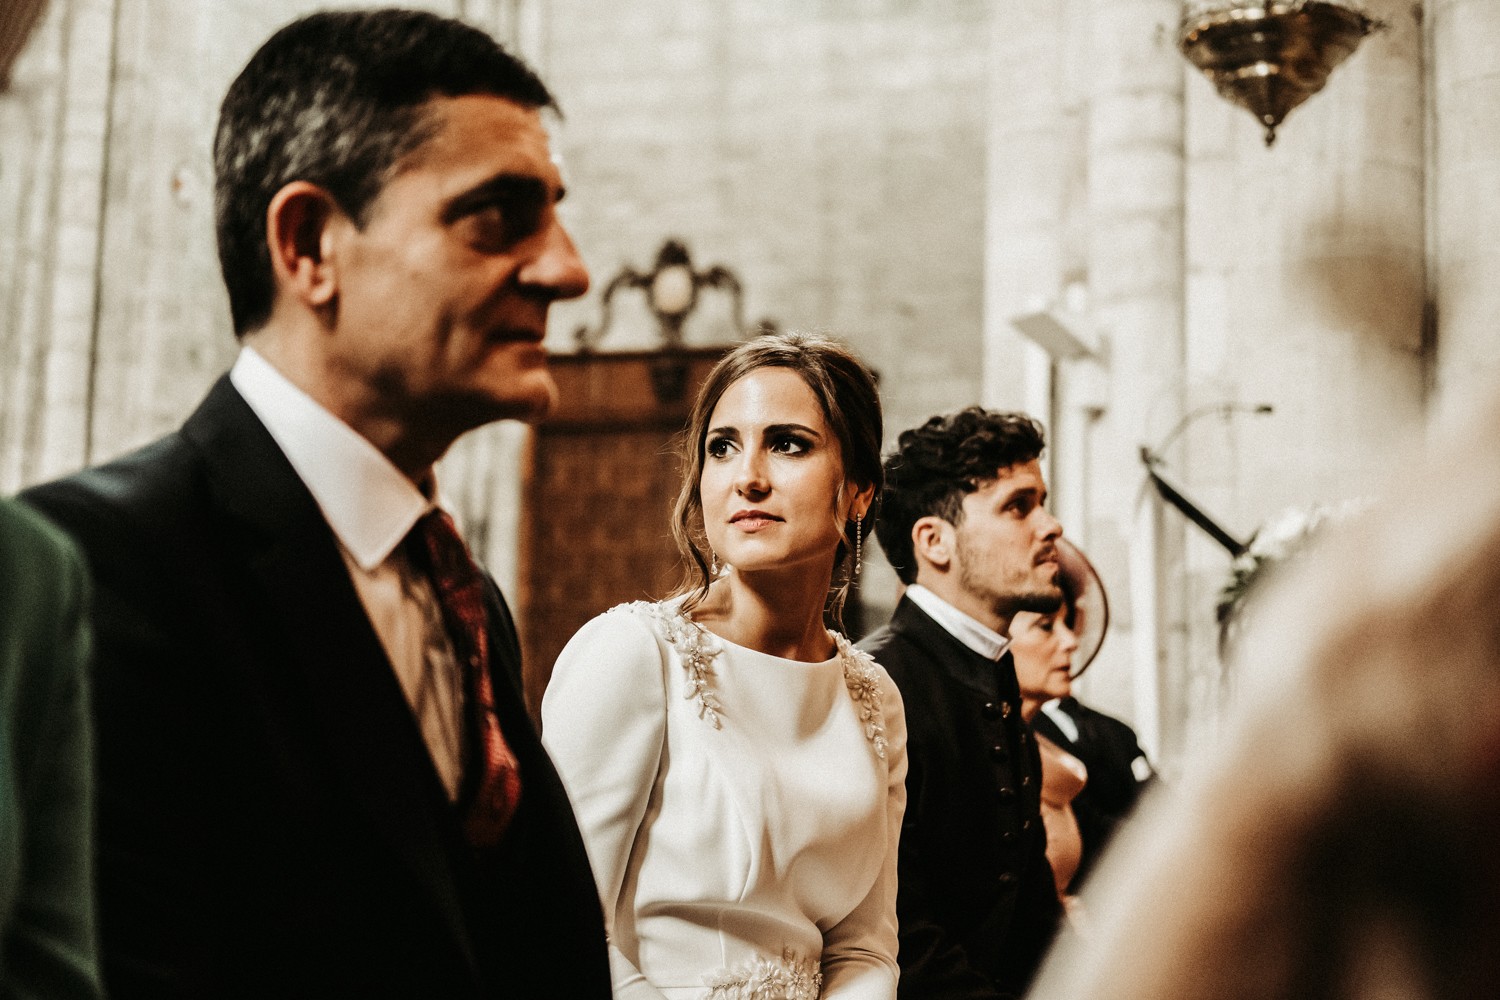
<point x="737" y="768"/>
<point x="1043" y="647"/>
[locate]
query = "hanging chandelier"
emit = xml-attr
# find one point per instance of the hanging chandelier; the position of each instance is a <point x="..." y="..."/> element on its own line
<point x="1268" y="56"/>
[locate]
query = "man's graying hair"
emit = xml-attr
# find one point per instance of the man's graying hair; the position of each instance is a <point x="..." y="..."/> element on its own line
<point x="336" y="99"/>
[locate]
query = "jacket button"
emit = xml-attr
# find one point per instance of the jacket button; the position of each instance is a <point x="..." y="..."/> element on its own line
<point x="1007" y="792"/>
<point x="1008" y="837"/>
<point x="991" y="710"/>
<point x="1005" y="710"/>
<point x="998" y="751"/>
<point x="1007" y="878"/>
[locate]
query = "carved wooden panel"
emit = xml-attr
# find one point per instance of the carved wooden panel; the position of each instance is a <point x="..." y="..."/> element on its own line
<point x="602" y="477"/>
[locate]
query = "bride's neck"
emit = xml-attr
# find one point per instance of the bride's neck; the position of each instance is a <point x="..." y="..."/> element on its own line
<point x="773" y="616"/>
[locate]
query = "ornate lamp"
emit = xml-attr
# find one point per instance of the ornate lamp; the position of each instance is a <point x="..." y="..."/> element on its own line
<point x="1268" y="56"/>
<point x="671" y="288"/>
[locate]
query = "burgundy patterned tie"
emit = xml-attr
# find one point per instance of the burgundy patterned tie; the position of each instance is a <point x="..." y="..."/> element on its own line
<point x="492" y="779"/>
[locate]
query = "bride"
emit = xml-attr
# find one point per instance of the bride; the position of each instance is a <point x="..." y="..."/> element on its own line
<point x="737" y="768"/>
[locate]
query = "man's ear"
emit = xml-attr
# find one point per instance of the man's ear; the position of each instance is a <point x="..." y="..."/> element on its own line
<point x="932" y="541"/>
<point x="298" y="233"/>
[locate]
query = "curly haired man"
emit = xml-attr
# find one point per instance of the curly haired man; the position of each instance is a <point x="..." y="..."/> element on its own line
<point x="964" y="521"/>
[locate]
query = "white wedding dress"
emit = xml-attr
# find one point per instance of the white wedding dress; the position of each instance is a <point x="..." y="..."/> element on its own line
<point x="741" y="811"/>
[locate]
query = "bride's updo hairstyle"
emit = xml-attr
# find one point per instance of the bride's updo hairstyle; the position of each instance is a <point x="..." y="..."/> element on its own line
<point x="845" y="390"/>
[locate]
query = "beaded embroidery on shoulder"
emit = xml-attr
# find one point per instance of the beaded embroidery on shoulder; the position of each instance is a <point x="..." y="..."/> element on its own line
<point x="697" y="648"/>
<point x="691" y="642"/>
<point x="862" y="678"/>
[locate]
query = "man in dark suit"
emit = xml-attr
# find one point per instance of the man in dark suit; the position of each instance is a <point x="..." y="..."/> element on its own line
<point x="964" y="522"/>
<point x="317" y="777"/>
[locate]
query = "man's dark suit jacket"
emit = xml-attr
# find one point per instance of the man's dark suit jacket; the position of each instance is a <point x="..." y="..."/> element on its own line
<point x="270" y="821"/>
<point x="976" y="901"/>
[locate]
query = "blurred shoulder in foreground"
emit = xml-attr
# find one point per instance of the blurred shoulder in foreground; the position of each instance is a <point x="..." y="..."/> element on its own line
<point x="1343" y="840"/>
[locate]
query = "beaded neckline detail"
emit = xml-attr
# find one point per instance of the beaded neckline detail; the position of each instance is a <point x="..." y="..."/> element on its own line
<point x="697" y="647"/>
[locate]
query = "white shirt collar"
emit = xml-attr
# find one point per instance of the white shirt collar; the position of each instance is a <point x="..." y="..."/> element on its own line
<point x="1063" y="720"/>
<point x="369" y="503"/>
<point x="979" y="637"/>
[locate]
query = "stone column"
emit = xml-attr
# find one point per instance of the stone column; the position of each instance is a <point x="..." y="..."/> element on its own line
<point x="1465" y="211"/>
<point x="1135" y="286"/>
<point x="1031" y="156"/>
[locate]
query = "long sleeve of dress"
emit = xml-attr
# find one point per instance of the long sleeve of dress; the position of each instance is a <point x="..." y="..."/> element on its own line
<point x="859" y="952"/>
<point x="603" y="723"/>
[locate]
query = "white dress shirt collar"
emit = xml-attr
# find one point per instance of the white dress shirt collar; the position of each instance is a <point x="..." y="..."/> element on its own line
<point x="369" y="503"/>
<point x="1061" y="719"/>
<point x="979" y="637"/>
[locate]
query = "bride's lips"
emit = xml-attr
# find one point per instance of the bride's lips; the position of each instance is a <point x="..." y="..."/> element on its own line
<point x="753" y="520"/>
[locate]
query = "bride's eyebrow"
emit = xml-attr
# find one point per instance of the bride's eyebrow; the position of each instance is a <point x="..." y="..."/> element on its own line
<point x="792" y="429"/>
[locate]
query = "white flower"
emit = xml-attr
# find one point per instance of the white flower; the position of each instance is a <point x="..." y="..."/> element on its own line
<point x="1280" y="539"/>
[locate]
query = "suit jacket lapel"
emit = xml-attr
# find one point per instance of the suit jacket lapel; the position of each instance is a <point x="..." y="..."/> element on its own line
<point x="334" y="655"/>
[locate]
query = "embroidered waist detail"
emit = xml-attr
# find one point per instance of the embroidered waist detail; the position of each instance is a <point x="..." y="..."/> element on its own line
<point x="792" y="977"/>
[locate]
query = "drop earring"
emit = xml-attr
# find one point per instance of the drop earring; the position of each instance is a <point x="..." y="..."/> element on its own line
<point x="859" y="523"/>
<point x="713" y="567"/>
